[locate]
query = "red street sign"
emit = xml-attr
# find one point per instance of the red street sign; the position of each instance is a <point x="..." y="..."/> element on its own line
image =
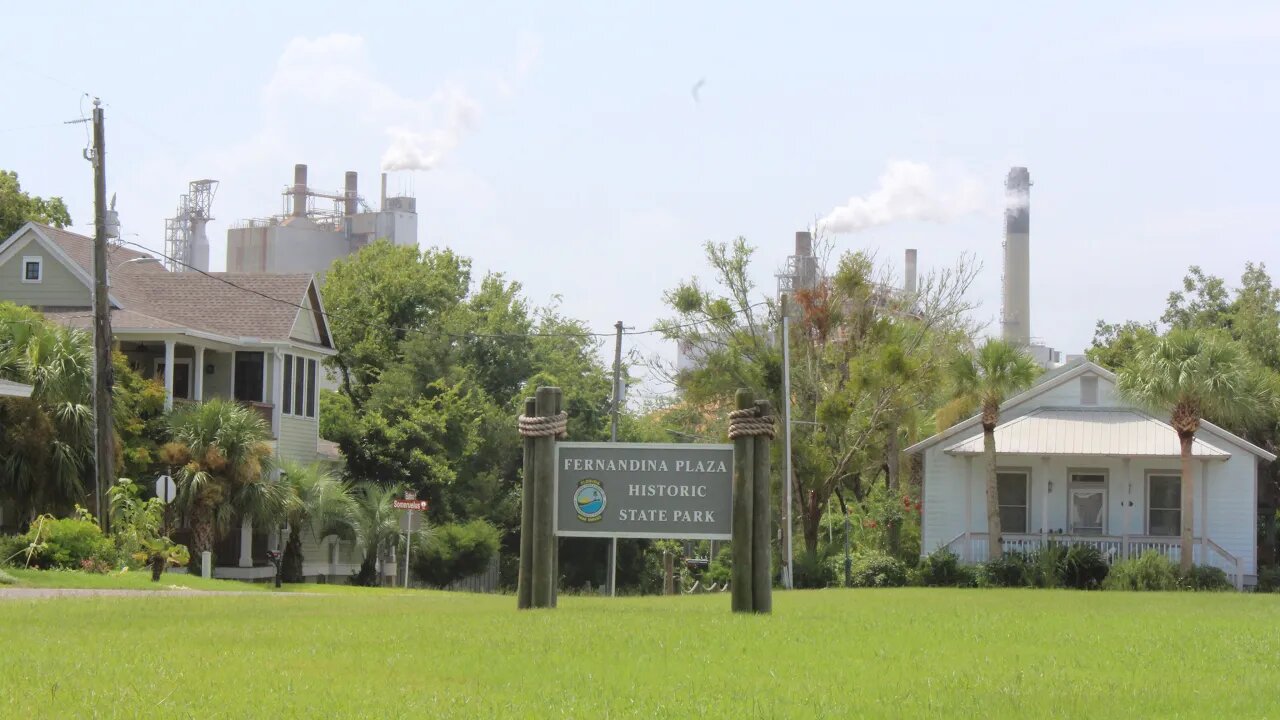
<point x="409" y="505"/>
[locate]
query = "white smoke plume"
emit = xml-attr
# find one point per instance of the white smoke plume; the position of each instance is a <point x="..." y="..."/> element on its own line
<point x="908" y="191"/>
<point x="413" y="149"/>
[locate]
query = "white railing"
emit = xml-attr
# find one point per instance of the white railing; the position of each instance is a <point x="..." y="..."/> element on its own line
<point x="973" y="548"/>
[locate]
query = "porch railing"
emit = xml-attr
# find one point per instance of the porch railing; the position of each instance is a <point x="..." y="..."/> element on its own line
<point x="973" y="548"/>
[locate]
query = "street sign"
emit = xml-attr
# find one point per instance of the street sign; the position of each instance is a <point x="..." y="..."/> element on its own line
<point x="644" y="490"/>
<point x="410" y="522"/>
<point x="419" y="505"/>
<point x="166" y="490"/>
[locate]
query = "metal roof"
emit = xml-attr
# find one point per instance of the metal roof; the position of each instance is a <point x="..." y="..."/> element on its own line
<point x="1092" y="431"/>
<point x="9" y="388"/>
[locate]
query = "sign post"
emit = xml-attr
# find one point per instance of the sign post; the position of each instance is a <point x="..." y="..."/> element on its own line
<point x="410" y="504"/>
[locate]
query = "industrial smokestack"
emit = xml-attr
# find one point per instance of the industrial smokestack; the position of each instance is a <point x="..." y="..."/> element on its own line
<point x="806" y="268"/>
<point x="299" y="190"/>
<point x="350" y="193"/>
<point x="383" y="205"/>
<point x="1016" y="313"/>
<point x="909" y="272"/>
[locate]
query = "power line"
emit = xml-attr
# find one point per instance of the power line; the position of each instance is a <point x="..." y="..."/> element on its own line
<point x="438" y="333"/>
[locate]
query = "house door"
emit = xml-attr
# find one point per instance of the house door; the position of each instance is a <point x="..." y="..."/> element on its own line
<point x="1088" y="507"/>
<point x="181" y="376"/>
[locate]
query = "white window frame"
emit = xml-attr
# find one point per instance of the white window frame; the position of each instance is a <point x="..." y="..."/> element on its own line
<point x="191" y="381"/>
<point x="1146" y="514"/>
<point x="298" y="402"/>
<point x="1026" y="509"/>
<point x="39" y="261"/>
<point x="1105" y="485"/>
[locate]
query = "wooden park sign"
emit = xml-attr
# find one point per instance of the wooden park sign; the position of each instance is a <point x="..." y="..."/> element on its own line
<point x="642" y="490"/>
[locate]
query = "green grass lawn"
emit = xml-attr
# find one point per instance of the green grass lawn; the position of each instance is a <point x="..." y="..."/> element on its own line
<point x="834" y="653"/>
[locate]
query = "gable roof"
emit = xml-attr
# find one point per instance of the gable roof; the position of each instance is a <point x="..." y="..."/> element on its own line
<point x="146" y="296"/>
<point x="1056" y="378"/>
<point x="1114" y="432"/>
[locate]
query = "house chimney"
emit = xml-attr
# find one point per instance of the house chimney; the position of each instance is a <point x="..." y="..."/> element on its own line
<point x="909" y="273"/>
<point x="1016" y="310"/>
<point x="299" y="190"/>
<point x="350" y="193"/>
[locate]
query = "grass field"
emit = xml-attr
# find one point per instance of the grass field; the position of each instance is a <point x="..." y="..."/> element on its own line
<point x="834" y="653"/>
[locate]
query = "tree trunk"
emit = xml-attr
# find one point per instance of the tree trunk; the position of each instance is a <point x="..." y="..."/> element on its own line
<point x="291" y="570"/>
<point x="1188" y="502"/>
<point x="811" y="522"/>
<point x="995" y="550"/>
<point x="201" y="531"/>
<point x="892" y="463"/>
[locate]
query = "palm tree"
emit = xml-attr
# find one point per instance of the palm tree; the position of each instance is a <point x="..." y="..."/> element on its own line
<point x="377" y="528"/>
<point x="48" y="449"/>
<point x="319" y="503"/>
<point x="1194" y="375"/>
<point x="986" y="379"/>
<point x="223" y="457"/>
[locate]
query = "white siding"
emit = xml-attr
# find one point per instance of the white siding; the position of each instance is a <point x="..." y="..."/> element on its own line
<point x="298" y="438"/>
<point x="58" y="287"/>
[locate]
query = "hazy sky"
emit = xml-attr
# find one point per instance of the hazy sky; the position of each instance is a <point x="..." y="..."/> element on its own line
<point x="569" y="151"/>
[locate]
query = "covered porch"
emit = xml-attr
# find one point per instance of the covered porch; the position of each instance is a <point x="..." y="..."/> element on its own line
<point x="204" y="369"/>
<point x="1108" y="479"/>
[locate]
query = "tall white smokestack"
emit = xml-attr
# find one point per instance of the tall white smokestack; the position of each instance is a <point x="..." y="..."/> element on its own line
<point x="299" y="190"/>
<point x="1016" y="312"/>
<point x="909" y="272"/>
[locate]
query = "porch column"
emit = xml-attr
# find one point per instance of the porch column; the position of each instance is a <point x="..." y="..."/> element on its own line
<point x="277" y="390"/>
<point x="197" y="375"/>
<point x="1204" y="512"/>
<point x="1044" y="498"/>
<point x="1128" y="506"/>
<point x="246" y="543"/>
<point x="168" y="374"/>
<point x="231" y="377"/>
<point x="968" y="511"/>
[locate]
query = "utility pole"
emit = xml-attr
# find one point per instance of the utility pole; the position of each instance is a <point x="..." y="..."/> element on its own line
<point x="103" y="380"/>
<point x="613" y="437"/>
<point x="787" y="555"/>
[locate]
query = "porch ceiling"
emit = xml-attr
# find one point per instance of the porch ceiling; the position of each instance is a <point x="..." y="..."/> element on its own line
<point x="1092" y="431"/>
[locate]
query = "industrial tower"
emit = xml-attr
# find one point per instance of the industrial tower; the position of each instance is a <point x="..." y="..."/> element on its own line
<point x="1016" y="315"/>
<point x="186" y="240"/>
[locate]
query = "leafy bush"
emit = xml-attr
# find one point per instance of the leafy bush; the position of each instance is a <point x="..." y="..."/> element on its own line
<point x="69" y="542"/>
<point x="1084" y="568"/>
<point x="720" y="571"/>
<point x="878" y="570"/>
<point x="1206" y="578"/>
<point x="1269" y="580"/>
<point x="812" y="571"/>
<point x="1151" y="571"/>
<point x="1045" y="567"/>
<point x="6" y="578"/>
<point x="1011" y="570"/>
<point x="452" y="552"/>
<point x="12" y="549"/>
<point x="943" y="569"/>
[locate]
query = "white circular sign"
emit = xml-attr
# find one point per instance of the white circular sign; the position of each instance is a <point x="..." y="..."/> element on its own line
<point x="166" y="490"/>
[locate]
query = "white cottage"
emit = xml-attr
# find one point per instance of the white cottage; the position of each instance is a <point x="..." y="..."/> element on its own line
<point x="1077" y="465"/>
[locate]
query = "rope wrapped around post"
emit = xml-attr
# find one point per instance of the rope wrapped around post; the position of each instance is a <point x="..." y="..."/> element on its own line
<point x="556" y="426"/>
<point x="751" y="422"/>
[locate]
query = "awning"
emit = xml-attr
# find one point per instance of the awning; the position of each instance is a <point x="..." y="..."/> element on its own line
<point x="1092" y="431"/>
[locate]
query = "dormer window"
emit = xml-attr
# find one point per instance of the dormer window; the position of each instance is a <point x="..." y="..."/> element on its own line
<point x="32" y="269"/>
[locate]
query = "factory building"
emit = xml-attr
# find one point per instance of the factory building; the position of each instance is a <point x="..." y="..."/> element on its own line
<point x="317" y="228"/>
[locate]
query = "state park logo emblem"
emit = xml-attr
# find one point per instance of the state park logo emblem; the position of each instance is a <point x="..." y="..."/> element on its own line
<point x="589" y="500"/>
